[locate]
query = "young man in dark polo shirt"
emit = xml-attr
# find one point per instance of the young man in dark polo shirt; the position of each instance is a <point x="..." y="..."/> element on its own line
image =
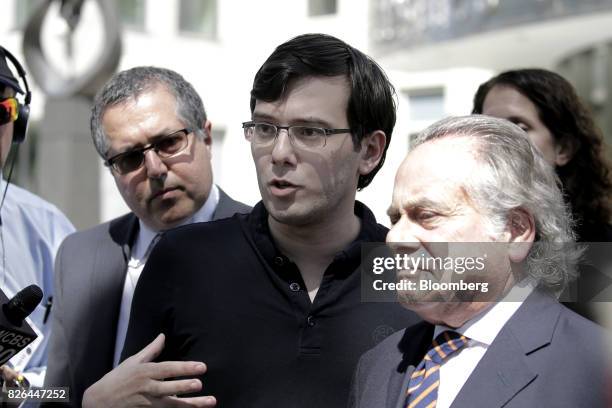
<point x="271" y="301"/>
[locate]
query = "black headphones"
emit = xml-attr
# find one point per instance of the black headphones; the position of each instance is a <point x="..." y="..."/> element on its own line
<point x="20" y="126"/>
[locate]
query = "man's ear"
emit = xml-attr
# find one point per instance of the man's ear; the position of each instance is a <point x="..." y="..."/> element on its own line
<point x="207" y="133"/>
<point x="372" y="149"/>
<point x="522" y="230"/>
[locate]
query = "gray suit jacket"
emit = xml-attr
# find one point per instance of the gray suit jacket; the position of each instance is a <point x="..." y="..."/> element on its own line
<point x="89" y="276"/>
<point x="545" y="356"/>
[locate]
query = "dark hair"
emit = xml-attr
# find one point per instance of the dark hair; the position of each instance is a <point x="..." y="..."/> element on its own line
<point x="586" y="176"/>
<point x="371" y="105"/>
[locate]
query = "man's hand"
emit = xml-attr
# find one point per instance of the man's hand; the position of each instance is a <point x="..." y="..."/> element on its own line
<point x="138" y="382"/>
<point x="8" y="374"/>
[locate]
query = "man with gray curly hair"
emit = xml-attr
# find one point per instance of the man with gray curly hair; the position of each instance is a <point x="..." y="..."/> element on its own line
<point x="149" y="126"/>
<point x="476" y="185"/>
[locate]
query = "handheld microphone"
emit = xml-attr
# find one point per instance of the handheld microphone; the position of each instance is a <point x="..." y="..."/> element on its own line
<point x="15" y="333"/>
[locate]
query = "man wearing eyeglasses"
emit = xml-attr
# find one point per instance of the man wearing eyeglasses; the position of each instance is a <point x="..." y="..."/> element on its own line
<point x="270" y="301"/>
<point x="31" y="231"/>
<point x="150" y="127"/>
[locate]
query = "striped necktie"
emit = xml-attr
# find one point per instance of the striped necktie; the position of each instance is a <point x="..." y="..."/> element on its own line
<point x="423" y="386"/>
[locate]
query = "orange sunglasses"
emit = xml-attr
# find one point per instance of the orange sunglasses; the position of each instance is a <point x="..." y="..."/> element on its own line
<point x="9" y="110"/>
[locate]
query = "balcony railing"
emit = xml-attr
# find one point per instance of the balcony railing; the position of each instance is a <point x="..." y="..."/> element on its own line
<point x="408" y="23"/>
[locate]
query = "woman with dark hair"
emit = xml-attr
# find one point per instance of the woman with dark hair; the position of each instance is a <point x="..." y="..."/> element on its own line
<point x="547" y="107"/>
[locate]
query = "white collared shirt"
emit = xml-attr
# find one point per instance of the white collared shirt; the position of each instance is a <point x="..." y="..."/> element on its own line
<point x="139" y="254"/>
<point x="481" y="330"/>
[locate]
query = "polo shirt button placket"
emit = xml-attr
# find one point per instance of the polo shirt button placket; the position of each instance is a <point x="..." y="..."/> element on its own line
<point x="279" y="261"/>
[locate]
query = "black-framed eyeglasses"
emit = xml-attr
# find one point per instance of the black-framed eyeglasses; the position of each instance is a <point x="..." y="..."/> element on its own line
<point x="309" y="137"/>
<point x="166" y="147"/>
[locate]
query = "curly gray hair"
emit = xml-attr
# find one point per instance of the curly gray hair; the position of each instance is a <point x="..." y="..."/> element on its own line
<point x="516" y="176"/>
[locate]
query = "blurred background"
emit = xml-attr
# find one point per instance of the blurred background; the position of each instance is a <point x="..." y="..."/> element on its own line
<point x="436" y="53"/>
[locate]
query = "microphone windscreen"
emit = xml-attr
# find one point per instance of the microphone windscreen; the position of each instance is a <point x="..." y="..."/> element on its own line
<point x="23" y="304"/>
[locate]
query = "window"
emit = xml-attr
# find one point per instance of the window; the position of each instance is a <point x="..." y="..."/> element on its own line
<point x="23" y="11"/>
<point x="198" y="16"/>
<point x="426" y="104"/>
<point x="132" y="13"/>
<point x="321" y="7"/>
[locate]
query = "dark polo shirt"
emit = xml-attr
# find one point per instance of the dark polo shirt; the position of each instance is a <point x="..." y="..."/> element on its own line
<point x="224" y="294"/>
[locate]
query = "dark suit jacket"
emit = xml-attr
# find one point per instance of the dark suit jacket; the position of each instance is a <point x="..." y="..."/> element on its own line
<point x="89" y="276"/>
<point x="545" y="356"/>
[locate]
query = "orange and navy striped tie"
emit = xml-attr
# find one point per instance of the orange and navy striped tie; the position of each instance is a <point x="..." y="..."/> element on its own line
<point x="423" y="386"/>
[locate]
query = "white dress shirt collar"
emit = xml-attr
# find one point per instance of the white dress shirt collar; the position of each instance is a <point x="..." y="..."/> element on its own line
<point x="146" y="234"/>
<point x="485" y="326"/>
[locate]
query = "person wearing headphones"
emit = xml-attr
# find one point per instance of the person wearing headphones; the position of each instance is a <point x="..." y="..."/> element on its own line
<point x="31" y="229"/>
